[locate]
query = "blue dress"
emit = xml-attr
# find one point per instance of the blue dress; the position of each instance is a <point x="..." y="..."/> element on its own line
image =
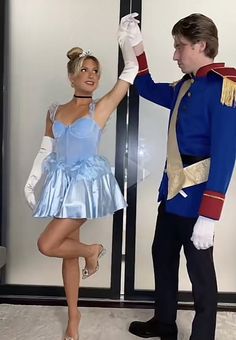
<point x="79" y="183"/>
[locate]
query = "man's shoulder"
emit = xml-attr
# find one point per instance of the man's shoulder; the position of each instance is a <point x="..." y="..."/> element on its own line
<point x="225" y="72"/>
<point x="227" y="77"/>
<point x="180" y="81"/>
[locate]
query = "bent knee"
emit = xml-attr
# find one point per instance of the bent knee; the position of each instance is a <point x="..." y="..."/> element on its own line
<point x="44" y="247"/>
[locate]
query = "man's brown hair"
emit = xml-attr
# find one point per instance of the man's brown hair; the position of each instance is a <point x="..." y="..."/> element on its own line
<point x="198" y="27"/>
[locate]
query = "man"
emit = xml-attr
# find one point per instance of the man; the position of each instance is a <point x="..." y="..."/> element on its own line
<point x="201" y="153"/>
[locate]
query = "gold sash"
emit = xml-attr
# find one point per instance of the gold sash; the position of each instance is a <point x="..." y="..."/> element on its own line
<point x="178" y="176"/>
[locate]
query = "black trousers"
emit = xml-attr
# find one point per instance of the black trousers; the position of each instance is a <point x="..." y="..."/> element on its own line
<point x="173" y="232"/>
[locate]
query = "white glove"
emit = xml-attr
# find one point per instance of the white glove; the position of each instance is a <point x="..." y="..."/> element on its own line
<point x="131" y="64"/>
<point x="129" y="26"/>
<point x="36" y="172"/>
<point x="203" y="233"/>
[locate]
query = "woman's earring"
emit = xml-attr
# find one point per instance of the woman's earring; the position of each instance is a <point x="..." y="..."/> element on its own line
<point x="72" y="84"/>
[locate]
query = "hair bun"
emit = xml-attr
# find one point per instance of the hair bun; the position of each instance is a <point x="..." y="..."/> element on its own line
<point x="74" y="53"/>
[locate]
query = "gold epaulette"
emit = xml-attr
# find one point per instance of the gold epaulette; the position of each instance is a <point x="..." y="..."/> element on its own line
<point x="228" y="93"/>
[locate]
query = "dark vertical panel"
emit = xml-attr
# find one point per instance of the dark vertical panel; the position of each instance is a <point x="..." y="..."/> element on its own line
<point x="136" y="6"/>
<point x="2" y="30"/>
<point x="120" y="160"/>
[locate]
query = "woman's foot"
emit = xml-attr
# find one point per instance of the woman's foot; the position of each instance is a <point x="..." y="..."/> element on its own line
<point x="73" y="327"/>
<point x="91" y="262"/>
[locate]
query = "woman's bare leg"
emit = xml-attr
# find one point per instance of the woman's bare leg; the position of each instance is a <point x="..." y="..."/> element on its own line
<point x="54" y="242"/>
<point x="71" y="279"/>
<point x="58" y="240"/>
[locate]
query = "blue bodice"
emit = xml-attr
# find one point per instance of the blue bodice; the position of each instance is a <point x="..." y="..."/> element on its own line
<point x="77" y="141"/>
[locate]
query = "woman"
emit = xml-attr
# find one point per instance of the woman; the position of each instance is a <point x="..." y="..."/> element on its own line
<point x="79" y="184"/>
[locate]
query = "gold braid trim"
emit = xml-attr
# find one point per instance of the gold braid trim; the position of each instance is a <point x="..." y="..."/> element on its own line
<point x="174" y="83"/>
<point x="216" y="197"/>
<point x="228" y="94"/>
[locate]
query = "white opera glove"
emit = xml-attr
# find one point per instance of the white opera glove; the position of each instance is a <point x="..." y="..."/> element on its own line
<point x="129" y="26"/>
<point x="37" y="170"/>
<point x="131" y="64"/>
<point x="203" y="233"/>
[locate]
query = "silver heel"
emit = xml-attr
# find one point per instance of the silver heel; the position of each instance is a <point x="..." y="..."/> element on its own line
<point x="71" y="338"/>
<point x="85" y="271"/>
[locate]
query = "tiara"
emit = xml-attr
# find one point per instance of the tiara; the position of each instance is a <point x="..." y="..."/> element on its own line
<point x="85" y="53"/>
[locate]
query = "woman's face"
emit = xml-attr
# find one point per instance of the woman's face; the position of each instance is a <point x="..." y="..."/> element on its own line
<point x="86" y="81"/>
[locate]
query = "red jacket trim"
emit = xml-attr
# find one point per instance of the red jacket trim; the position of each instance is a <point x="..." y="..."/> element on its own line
<point x="212" y="204"/>
<point x="218" y="68"/>
<point x="143" y="66"/>
<point x="226" y="72"/>
<point x="202" y="72"/>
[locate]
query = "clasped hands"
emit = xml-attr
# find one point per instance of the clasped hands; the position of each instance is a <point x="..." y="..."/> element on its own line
<point x="129" y="26"/>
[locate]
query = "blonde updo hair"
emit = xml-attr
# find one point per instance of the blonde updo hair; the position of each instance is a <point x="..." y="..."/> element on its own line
<point x="77" y="57"/>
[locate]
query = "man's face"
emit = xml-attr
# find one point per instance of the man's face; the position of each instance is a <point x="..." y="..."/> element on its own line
<point x="189" y="56"/>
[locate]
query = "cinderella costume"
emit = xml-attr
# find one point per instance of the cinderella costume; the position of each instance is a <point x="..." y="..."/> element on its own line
<point x="79" y="183"/>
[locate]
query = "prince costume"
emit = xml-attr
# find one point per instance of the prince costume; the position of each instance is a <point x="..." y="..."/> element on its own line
<point x="201" y="152"/>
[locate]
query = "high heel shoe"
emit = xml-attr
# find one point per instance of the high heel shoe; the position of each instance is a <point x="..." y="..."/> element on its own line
<point x="72" y="330"/>
<point x="67" y="337"/>
<point x="85" y="272"/>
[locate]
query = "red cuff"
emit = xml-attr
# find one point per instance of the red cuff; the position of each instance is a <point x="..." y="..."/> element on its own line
<point x="212" y="204"/>
<point x="142" y="63"/>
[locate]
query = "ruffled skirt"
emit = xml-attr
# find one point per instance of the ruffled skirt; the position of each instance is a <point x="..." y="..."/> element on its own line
<point x="88" y="189"/>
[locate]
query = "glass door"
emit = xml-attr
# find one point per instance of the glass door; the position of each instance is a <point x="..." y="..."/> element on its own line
<point x="39" y="34"/>
<point x="147" y="152"/>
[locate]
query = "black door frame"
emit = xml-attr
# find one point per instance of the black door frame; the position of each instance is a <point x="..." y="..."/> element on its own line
<point x="54" y="294"/>
<point x="2" y="87"/>
<point x="133" y="128"/>
<point x="23" y="293"/>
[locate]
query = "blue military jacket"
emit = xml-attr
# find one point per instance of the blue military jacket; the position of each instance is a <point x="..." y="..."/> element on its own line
<point x="205" y="127"/>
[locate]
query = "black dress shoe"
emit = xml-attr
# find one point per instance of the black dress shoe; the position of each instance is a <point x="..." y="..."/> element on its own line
<point x="154" y="328"/>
